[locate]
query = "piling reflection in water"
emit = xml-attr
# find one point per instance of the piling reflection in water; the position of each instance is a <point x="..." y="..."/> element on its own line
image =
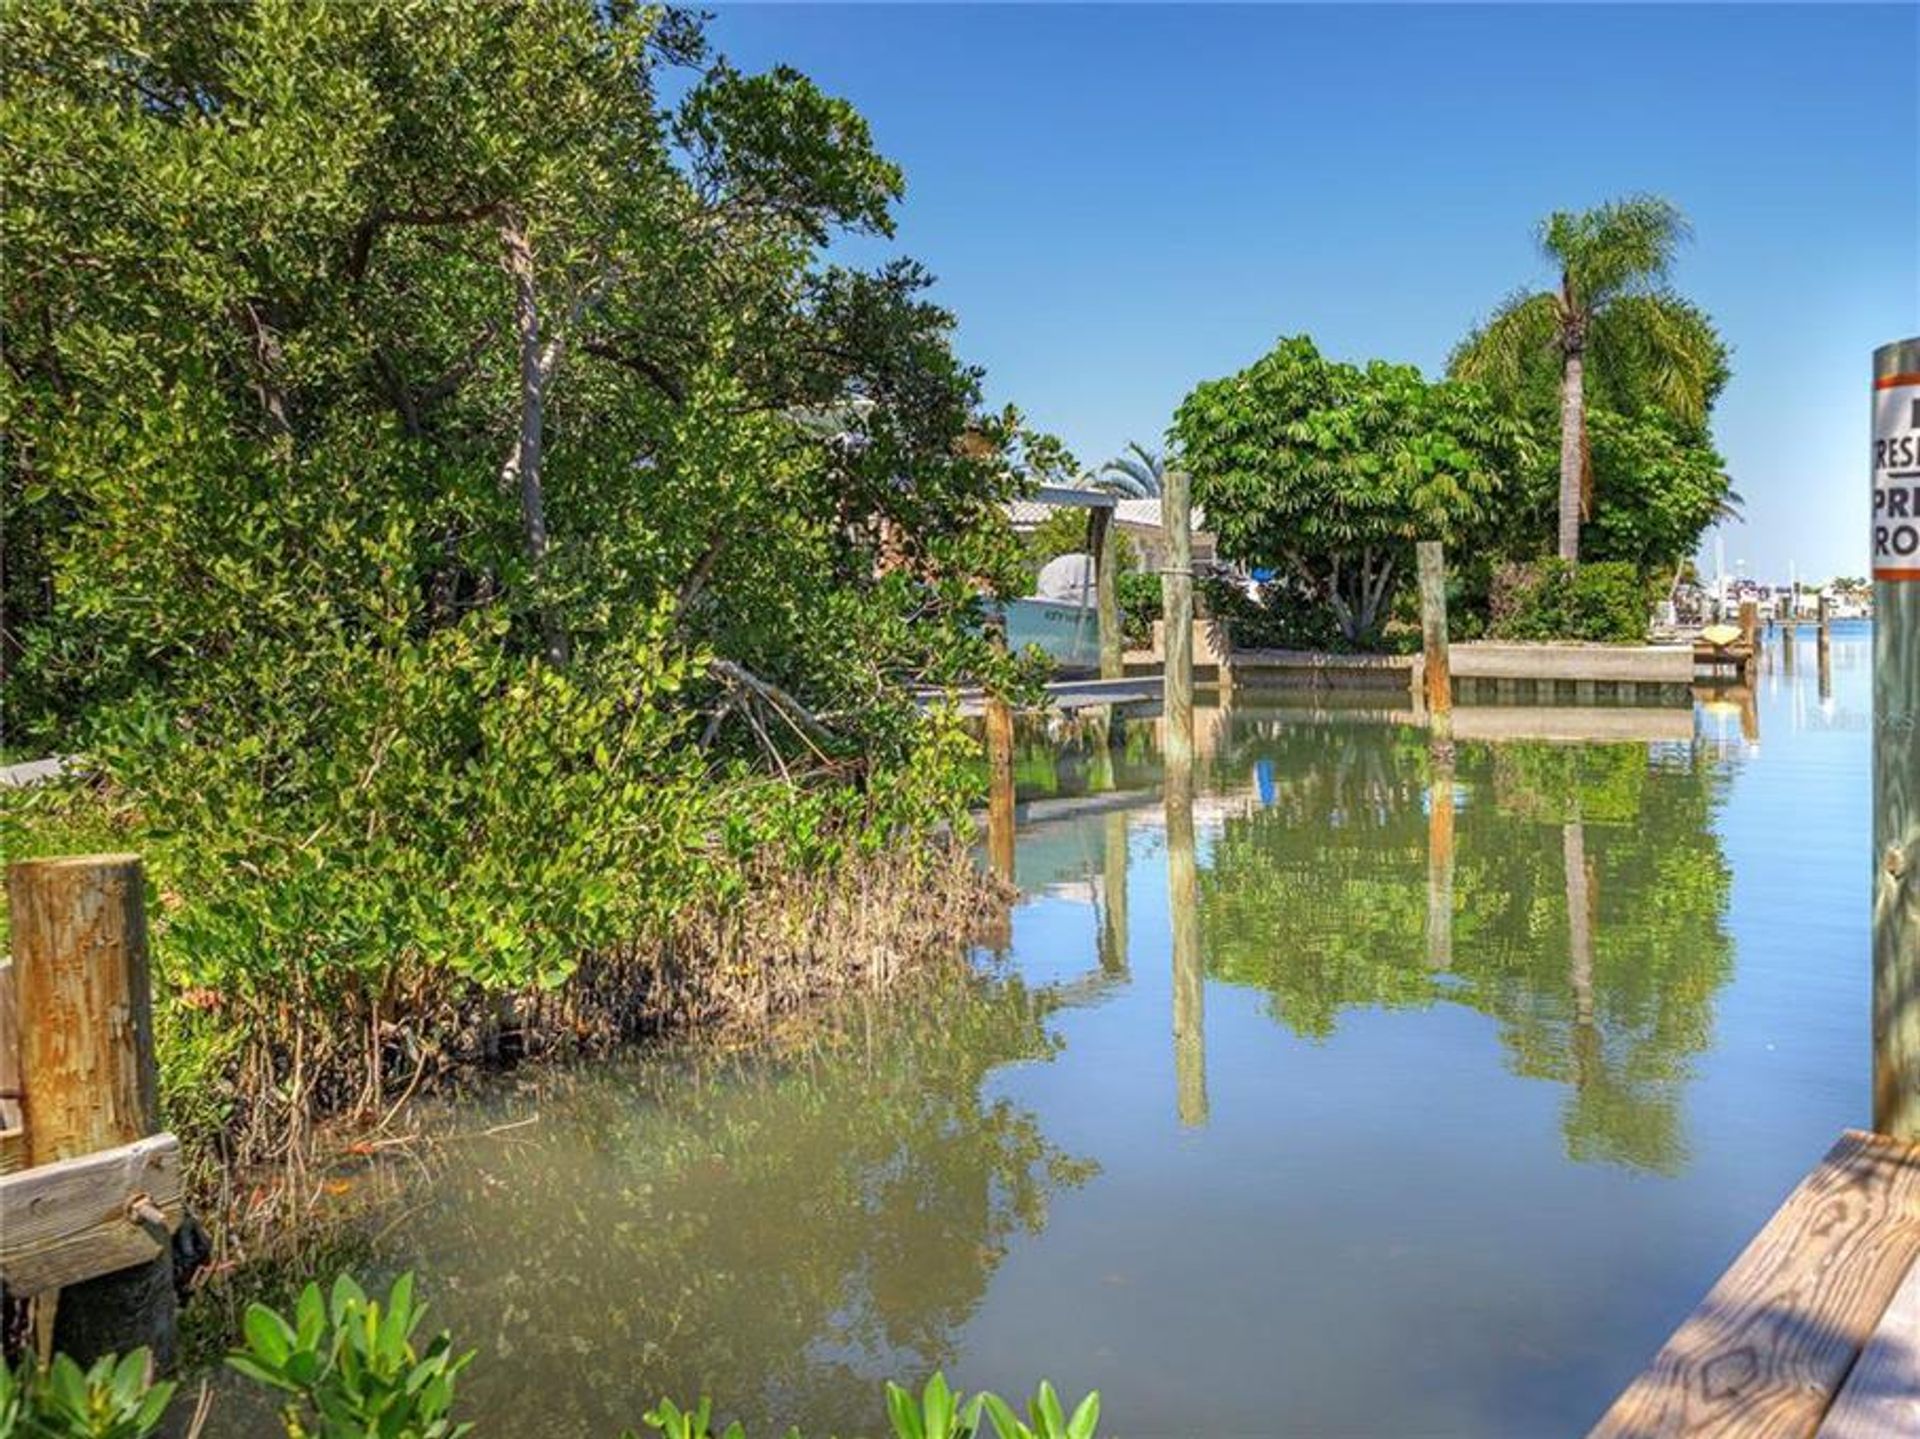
<point x="1113" y="895"/>
<point x="1484" y="979"/>
<point x="1440" y="799"/>
<point x="1189" y="973"/>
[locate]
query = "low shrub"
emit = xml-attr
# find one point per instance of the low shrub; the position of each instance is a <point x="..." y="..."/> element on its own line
<point x="1139" y="593"/>
<point x="350" y="1367"/>
<point x="1604" y="601"/>
<point x="1279" y="617"/>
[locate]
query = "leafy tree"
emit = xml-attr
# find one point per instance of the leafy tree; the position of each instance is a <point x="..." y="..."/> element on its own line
<point x="1330" y="472"/>
<point x="1658" y="485"/>
<point x="446" y="483"/>
<point x="1611" y="332"/>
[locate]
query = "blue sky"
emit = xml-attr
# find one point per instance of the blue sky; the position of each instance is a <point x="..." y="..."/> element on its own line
<point x="1122" y="201"/>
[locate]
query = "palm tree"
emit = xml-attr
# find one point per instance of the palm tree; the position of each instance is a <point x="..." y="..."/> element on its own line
<point x="1612" y="311"/>
<point x="1135" y="474"/>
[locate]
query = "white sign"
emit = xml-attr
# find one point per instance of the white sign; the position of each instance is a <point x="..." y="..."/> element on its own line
<point x="1896" y="477"/>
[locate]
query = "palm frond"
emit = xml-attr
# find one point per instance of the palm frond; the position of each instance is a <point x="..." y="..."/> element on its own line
<point x="1659" y="349"/>
<point x="1613" y="249"/>
<point x="1134" y="475"/>
<point x="1514" y="351"/>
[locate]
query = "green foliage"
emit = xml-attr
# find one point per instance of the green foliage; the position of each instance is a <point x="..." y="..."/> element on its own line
<point x="1137" y="473"/>
<point x="1646" y="353"/>
<point x="1064" y="532"/>
<point x="1658" y="484"/>
<point x="936" y="1414"/>
<point x="1140" y="596"/>
<point x="1045" y="1417"/>
<point x="352" y="1367"/>
<point x="410" y="685"/>
<point x="670" y="1421"/>
<point x="1280" y="617"/>
<point x="352" y="1370"/>
<point x="1551" y="600"/>
<point x="1329" y="472"/>
<point x="114" y="1399"/>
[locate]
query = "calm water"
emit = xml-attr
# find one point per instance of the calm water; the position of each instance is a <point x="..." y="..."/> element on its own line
<point x="1383" y="1144"/>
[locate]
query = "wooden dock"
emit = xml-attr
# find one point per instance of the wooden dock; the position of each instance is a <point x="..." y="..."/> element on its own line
<point x="1062" y="695"/>
<point x="1814" y="1331"/>
<point x="1501" y="667"/>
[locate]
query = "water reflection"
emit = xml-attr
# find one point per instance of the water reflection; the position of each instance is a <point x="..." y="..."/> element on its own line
<point x="1580" y="905"/>
<point x="1488" y="978"/>
<point x="1189" y="974"/>
<point x="776" y="1230"/>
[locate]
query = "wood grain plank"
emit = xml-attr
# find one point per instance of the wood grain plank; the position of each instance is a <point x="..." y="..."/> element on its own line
<point x="1881" y="1399"/>
<point x="1769" y="1347"/>
<point x="10" y="1110"/>
<point x="73" y="1219"/>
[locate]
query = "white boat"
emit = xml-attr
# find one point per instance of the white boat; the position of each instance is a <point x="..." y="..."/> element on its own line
<point x="1059" y="618"/>
<point x="1066" y="632"/>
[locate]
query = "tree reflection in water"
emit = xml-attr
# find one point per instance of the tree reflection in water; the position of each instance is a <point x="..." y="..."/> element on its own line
<point x="780" y="1231"/>
<point x="1581" y="906"/>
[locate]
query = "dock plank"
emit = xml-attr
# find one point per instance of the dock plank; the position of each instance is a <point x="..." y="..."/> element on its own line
<point x="74" y="1219"/>
<point x="1881" y="1399"/>
<point x="1771" y="1344"/>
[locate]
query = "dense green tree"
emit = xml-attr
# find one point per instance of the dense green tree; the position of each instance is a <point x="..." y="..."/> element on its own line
<point x="446" y="483"/>
<point x="1610" y="334"/>
<point x="1329" y="472"/>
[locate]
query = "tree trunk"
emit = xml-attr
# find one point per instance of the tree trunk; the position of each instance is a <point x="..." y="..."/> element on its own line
<point x="523" y="465"/>
<point x="1572" y="426"/>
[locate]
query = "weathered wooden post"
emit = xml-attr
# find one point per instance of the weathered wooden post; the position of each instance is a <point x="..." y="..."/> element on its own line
<point x="80" y="964"/>
<point x="998" y="715"/>
<point x="1436" y="658"/>
<point x="1750" y="634"/>
<point x="1103" y="543"/>
<point x="1896" y="739"/>
<point x="1176" y="603"/>
<point x="1823" y="642"/>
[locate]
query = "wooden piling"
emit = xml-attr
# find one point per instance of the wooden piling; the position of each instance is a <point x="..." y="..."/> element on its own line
<point x="1176" y="596"/>
<point x="1437" y="658"/>
<point x="79" y="942"/>
<point x="1103" y="543"/>
<point x="1000" y="808"/>
<point x="1896" y="756"/>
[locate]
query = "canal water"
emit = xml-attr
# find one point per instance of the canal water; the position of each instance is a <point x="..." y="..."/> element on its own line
<point x="1427" y="1106"/>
